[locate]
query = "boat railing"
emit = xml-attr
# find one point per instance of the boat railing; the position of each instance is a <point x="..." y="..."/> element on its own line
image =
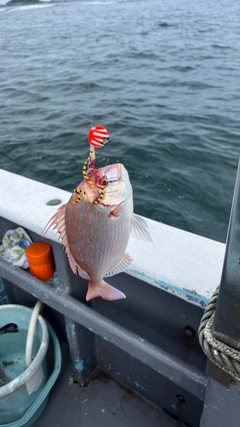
<point x="149" y="341"/>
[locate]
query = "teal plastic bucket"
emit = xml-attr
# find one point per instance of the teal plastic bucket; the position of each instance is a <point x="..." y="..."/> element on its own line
<point x="24" y="392"/>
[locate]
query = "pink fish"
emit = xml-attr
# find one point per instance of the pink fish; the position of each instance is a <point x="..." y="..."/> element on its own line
<point x="95" y="226"/>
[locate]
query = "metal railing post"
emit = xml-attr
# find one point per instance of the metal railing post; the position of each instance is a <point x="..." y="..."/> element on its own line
<point x="227" y="317"/>
<point x="221" y="407"/>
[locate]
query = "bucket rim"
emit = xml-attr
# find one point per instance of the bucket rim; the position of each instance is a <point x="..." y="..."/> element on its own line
<point x="37" y="406"/>
<point x="23" y="378"/>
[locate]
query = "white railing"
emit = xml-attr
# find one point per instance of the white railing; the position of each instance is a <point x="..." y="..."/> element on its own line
<point x="184" y="264"/>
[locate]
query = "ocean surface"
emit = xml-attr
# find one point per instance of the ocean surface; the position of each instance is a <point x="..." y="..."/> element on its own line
<point x="163" y="76"/>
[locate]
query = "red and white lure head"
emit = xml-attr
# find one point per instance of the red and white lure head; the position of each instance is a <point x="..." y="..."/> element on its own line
<point x="98" y="136"/>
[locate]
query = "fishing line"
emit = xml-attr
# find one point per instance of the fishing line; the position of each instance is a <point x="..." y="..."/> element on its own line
<point x="20" y="164"/>
<point x="90" y="110"/>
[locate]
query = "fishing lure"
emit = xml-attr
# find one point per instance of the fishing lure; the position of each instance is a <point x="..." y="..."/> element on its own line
<point x="98" y="137"/>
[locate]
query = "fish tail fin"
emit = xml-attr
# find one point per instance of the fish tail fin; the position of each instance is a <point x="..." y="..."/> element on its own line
<point x="103" y="290"/>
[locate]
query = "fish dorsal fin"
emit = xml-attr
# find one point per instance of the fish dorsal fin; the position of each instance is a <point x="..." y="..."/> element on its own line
<point x="75" y="267"/>
<point x="57" y="222"/>
<point x="140" y="229"/>
<point x="126" y="261"/>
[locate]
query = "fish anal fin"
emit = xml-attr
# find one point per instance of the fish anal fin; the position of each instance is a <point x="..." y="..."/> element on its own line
<point x="104" y="291"/>
<point x="123" y="265"/>
<point x="140" y="229"/>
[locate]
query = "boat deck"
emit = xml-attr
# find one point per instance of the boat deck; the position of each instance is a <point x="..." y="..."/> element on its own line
<point x="103" y="402"/>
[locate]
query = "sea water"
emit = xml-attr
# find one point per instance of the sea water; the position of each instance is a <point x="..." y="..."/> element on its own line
<point x="161" y="76"/>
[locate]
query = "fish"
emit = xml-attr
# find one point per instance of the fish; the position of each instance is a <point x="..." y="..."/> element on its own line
<point x="94" y="226"/>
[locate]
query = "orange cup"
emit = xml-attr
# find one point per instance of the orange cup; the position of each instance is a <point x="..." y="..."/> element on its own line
<point x="40" y="260"/>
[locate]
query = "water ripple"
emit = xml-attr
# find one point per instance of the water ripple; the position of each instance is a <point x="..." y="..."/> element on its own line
<point x="163" y="77"/>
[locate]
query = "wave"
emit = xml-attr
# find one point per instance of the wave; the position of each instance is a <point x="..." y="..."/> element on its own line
<point x="97" y="2"/>
<point x="32" y="6"/>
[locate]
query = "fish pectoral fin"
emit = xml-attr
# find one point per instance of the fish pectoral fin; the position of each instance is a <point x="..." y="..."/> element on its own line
<point x="140" y="229"/>
<point x="103" y="290"/>
<point x="124" y="263"/>
<point x="116" y="211"/>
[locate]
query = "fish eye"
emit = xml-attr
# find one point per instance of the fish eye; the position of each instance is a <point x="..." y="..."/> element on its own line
<point x="104" y="182"/>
